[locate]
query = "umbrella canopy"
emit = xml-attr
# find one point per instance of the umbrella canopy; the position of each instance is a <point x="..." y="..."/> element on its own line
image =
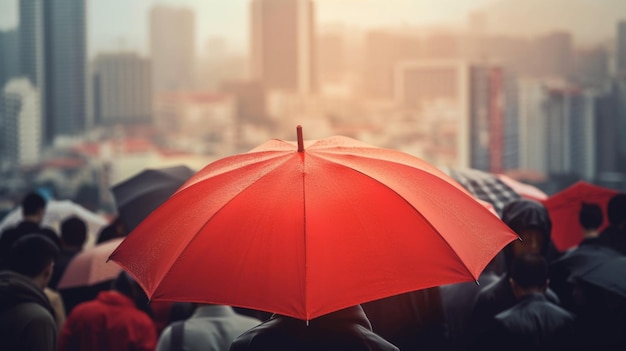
<point x="564" y="207"/>
<point x="90" y="266"/>
<point x="56" y="212"/>
<point x="608" y="275"/>
<point x="485" y="186"/>
<point x="140" y="194"/>
<point x="526" y="191"/>
<point x="310" y="228"/>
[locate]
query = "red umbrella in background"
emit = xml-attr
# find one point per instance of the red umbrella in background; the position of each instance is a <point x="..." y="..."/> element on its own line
<point x="304" y="229"/>
<point x="564" y="207"/>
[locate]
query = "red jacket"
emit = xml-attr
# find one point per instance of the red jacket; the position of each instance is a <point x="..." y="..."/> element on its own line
<point x="110" y="322"/>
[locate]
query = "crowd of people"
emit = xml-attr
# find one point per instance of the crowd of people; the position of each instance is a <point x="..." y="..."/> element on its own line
<point x="530" y="297"/>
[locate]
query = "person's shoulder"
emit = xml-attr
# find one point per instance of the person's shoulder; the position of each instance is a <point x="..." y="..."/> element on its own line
<point x="35" y="313"/>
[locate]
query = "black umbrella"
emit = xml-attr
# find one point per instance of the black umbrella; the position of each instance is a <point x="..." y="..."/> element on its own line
<point x="575" y="263"/>
<point x="485" y="186"/>
<point x="142" y="193"/>
<point x="583" y="258"/>
<point x="610" y="276"/>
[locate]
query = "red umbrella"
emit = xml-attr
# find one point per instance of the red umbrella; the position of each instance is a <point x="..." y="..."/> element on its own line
<point x="564" y="207"/>
<point x="310" y="228"/>
<point x="90" y="266"/>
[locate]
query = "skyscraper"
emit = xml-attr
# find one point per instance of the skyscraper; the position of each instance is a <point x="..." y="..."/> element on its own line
<point x="553" y="55"/>
<point x="122" y="89"/>
<point x="494" y="122"/>
<point x="172" y="48"/>
<point x="439" y="91"/>
<point x="570" y="127"/>
<point x="31" y="41"/>
<point x="472" y="110"/>
<point x="65" y="82"/>
<point x="9" y="56"/>
<point x="283" y="45"/>
<point x="621" y="47"/>
<point x="20" y="139"/>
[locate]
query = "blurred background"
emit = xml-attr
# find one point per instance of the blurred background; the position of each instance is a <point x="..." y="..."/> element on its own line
<point x="92" y="92"/>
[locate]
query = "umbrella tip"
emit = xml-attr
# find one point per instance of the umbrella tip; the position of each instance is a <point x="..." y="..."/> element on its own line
<point x="300" y="139"/>
<point x="477" y="283"/>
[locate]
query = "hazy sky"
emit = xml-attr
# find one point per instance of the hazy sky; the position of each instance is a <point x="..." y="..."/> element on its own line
<point x="123" y="23"/>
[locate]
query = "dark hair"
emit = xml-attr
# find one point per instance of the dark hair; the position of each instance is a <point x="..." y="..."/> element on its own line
<point x="616" y="209"/>
<point x="590" y="216"/>
<point x="32" y="204"/>
<point x="31" y="254"/>
<point x="74" y="231"/>
<point x="530" y="270"/>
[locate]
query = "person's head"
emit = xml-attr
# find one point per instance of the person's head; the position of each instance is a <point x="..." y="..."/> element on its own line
<point x="33" y="255"/>
<point x="590" y="216"/>
<point x="73" y="232"/>
<point x="33" y="206"/>
<point x="616" y="210"/>
<point x="530" y="220"/>
<point x="528" y="274"/>
<point x="126" y="285"/>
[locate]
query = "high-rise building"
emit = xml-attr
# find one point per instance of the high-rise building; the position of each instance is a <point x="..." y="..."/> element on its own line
<point x="591" y="67"/>
<point x="65" y="78"/>
<point x="438" y="90"/>
<point x="610" y="110"/>
<point x="570" y="126"/>
<point x="621" y="48"/>
<point x="20" y="113"/>
<point x="31" y="47"/>
<point x="9" y="56"/>
<point x="172" y="48"/>
<point x="122" y="89"/>
<point x="494" y="121"/>
<point x="471" y="109"/>
<point x="532" y="126"/>
<point x="553" y="55"/>
<point x="283" y="44"/>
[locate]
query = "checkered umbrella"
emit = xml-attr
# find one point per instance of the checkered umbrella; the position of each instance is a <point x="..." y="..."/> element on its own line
<point x="485" y="186"/>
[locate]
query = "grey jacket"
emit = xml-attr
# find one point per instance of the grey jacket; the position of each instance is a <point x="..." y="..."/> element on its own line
<point x="26" y="316"/>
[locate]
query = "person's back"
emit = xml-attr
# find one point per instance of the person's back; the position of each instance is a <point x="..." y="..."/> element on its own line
<point x="110" y="322"/>
<point x="530" y="220"/>
<point x="73" y="237"/>
<point x="210" y="328"/>
<point x="590" y="218"/>
<point x="26" y="316"/>
<point x="413" y="320"/>
<point x="33" y="209"/>
<point x="533" y="323"/>
<point x="347" y="329"/>
<point x="614" y="236"/>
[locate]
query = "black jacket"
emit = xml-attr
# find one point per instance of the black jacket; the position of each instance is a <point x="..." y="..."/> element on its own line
<point x="26" y="316"/>
<point x="347" y="329"/>
<point x="535" y="323"/>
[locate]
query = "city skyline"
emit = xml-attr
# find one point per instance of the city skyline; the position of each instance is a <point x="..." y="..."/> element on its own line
<point x="228" y="20"/>
<point x="381" y="85"/>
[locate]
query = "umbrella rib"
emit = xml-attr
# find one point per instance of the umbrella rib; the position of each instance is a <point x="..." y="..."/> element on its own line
<point x="306" y="263"/>
<point x="405" y="200"/>
<point x="206" y="222"/>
